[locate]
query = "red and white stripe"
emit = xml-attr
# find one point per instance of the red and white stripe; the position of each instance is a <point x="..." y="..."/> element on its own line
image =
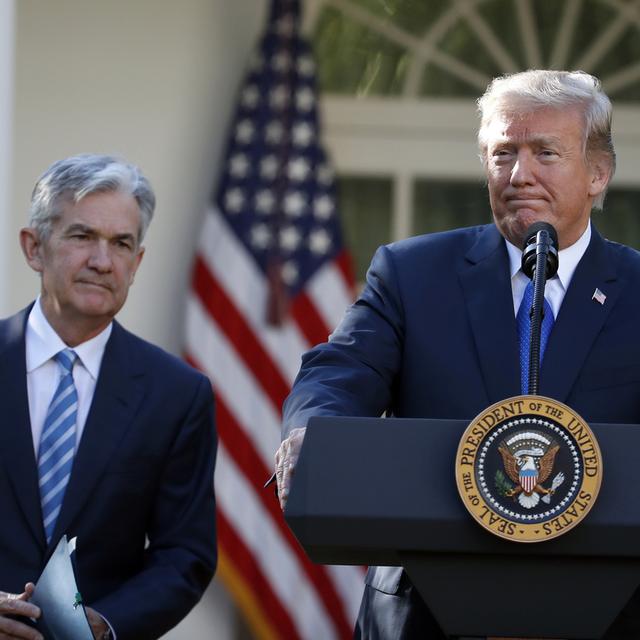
<point x="252" y="366"/>
<point x="528" y="482"/>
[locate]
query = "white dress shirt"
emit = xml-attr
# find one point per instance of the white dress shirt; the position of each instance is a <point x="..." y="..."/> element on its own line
<point x="43" y="373"/>
<point x="557" y="286"/>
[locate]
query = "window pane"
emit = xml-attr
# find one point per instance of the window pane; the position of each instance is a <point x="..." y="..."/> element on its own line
<point x="366" y="54"/>
<point x="620" y="220"/>
<point x="354" y="60"/>
<point x="439" y="205"/>
<point x="460" y="43"/>
<point x="414" y="16"/>
<point x="365" y="207"/>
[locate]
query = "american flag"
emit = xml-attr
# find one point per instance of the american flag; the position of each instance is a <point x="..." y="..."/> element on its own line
<point x="271" y="279"/>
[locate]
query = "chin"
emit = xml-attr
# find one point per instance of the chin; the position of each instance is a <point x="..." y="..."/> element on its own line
<point x="95" y="308"/>
<point x="518" y="226"/>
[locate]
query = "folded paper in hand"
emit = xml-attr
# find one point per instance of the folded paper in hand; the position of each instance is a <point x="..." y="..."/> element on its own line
<point x="56" y="593"/>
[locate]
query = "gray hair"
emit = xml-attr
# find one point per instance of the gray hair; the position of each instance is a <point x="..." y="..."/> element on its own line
<point x="537" y="89"/>
<point x="71" y="179"/>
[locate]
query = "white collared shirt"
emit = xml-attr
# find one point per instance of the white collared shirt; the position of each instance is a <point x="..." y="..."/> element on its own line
<point x="557" y="286"/>
<point x="43" y="373"/>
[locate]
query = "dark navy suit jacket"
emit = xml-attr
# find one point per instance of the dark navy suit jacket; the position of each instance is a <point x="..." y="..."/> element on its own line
<point x="433" y="335"/>
<point x="143" y="470"/>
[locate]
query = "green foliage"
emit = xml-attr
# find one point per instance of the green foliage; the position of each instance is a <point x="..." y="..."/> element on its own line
<point x="502" y="484"/>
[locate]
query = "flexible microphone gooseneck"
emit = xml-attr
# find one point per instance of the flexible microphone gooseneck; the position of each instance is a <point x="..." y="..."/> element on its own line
<point x="539" y="262"/>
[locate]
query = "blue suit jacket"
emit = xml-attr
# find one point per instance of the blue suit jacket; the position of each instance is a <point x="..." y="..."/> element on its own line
<point x="433" y="335"/>
<point x="144" y="469"/>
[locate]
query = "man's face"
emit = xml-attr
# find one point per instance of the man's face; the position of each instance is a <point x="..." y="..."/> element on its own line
<point x="536" y="171"/>
<point x="88" y="261"/>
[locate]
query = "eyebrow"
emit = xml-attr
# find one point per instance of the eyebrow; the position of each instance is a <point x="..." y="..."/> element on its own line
<point x="540" y="141"/>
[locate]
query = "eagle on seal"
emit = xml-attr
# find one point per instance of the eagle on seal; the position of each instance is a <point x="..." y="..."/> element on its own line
<point x="528" y="468"/>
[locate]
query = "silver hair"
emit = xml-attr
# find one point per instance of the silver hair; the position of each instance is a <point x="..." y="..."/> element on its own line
<point x="71" y="179"/>
<point x="537" y="89"/>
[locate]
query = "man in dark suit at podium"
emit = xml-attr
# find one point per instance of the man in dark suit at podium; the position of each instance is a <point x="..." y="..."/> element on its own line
<point x="434" y="332"/>
<point x="103" y="436"/>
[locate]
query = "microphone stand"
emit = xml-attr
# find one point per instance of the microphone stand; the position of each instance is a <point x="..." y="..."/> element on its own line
<point x="537" y="309"/>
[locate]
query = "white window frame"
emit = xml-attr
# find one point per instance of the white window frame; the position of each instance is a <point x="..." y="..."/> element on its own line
<point x="404" y="140"/>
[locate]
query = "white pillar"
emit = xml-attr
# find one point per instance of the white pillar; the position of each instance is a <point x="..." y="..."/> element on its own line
<point x="7" y="59"/>
<point x="402" y="222"/>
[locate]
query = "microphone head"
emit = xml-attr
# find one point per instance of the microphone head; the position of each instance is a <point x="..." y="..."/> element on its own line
<point x="532" y="232"/>
<point x="531" y="247"/>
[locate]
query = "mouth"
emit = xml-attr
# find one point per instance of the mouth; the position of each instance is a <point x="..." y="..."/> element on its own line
<point x="524" y="197"/>
<point x="99" y="285"/>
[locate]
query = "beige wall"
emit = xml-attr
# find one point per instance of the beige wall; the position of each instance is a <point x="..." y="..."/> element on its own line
<point x="155" y="81"/>
<point x="7" y="35"/>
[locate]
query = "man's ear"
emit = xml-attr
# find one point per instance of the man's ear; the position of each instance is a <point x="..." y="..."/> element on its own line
<point x="138" y="260"/>
<point x="32" y="248"/>
<point x="600" y="174"/>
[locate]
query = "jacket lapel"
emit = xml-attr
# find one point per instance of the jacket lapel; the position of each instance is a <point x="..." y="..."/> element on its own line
<point x="487" y="290"/>
<point x="117" y="396"/>
<point x="580" y="320"/>
<point x="16" y="441"/>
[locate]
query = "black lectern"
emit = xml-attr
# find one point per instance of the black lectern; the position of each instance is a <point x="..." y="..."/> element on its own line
<point x="383" y="492"/>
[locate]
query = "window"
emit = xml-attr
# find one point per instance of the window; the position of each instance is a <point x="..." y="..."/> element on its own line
<point x="399" y="79"/>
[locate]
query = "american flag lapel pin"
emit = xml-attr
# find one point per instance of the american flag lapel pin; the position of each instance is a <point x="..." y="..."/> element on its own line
<point x="598" y="296"/>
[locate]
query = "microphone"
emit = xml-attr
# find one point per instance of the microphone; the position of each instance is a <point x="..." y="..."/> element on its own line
<point x="539" y="262"/>
<point x="540" y="239"/>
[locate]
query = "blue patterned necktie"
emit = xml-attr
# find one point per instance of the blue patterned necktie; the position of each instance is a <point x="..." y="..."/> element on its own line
<point x="523" y="320"/>
<point x="58" y="442"/>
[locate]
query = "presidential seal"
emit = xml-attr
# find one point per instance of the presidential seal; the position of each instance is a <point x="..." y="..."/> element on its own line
<point x="528" y="468"/>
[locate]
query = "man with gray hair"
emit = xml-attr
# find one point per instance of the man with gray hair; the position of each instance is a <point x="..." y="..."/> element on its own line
<point x="434" y="332"/>
<point x="104" y="436"/>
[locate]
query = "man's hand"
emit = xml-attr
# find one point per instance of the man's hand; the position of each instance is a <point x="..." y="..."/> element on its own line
<point x="12" y="604"/>
<point x="286" y="460"/>
<point x="97" y="623"/>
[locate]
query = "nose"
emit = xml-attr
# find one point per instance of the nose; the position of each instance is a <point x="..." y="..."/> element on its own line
<point x="523" y="172"/>
<point x="100" y="257"/>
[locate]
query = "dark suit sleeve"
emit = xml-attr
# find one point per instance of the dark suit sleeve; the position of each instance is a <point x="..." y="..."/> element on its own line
<point x="354" y="372"/>
<point x="181" y="554"/>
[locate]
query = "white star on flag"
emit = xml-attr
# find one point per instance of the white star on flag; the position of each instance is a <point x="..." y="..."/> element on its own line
<point x="265" y="201"/>
<point x="298" y="169"/>
<point x="302" y="134"/>
<point x="261" y="236"/>
<point x="289" y="238"/>
<point x="239" y="165"/>
<point x="281" y="61"/>
<point x="234" y="200"/>
<point x="306" y="66"/>
<point x="319" y="241"/>
<point x="244" y="131"/>
<point x="294" y="203"/>
<point x="305" y="99"/>
<point x="279" y="97"/>
<point x="325" y="174"/>
<point x="269" y="167"/>
<point x="250" y="97"/>
<point x="323" y="207"/>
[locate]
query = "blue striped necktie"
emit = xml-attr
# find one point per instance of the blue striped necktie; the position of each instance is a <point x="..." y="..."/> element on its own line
<point x="523" y="320"/>
<point x="58" y="442"/>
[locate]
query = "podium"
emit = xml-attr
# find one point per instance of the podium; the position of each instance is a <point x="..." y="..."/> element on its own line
<point x="383" y="492"/>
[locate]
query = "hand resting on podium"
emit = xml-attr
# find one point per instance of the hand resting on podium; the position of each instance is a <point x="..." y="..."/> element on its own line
<point x="286" y="459"/>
